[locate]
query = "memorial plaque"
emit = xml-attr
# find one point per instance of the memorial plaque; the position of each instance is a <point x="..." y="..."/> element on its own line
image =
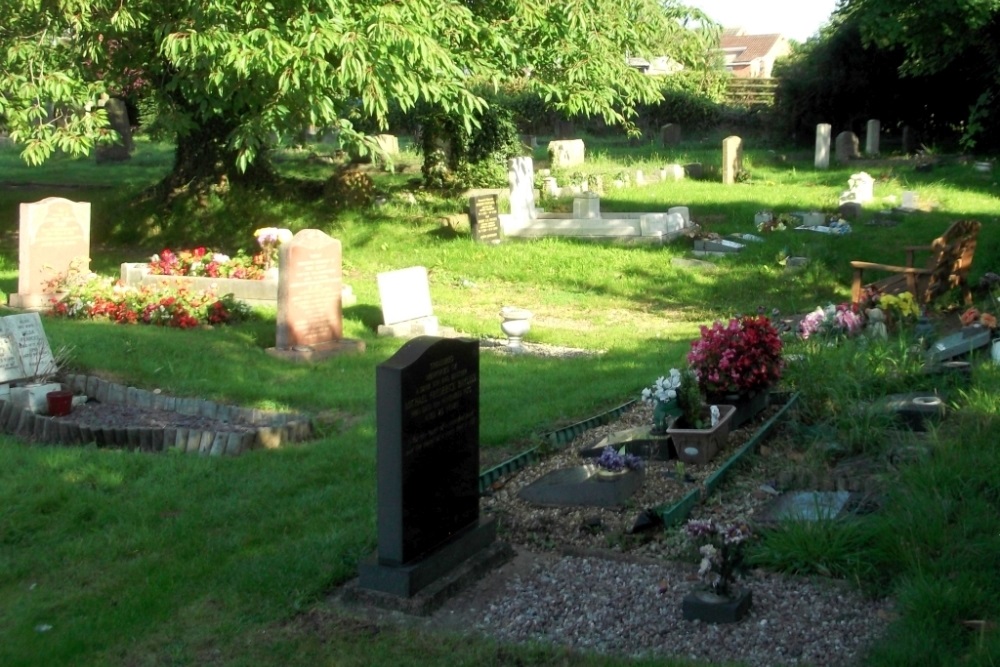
<point x="484" y="218"/>
<point x="32" y="345"/>
<point x="405" y="295"/>
<point x="10" y="359"/>
<point x="54" y="233"/>
<point x="309" y="286"/>
<point x="427" y="407"/>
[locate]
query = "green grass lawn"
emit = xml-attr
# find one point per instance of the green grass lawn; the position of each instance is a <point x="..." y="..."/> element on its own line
<point x="117" y="558"/>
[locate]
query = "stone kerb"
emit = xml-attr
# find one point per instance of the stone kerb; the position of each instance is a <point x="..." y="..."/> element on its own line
<point x="223" y="429"/>
<point x="54" y="235"/>
<point x="251" y="292"/>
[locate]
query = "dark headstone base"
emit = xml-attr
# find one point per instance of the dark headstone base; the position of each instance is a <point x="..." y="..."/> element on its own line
<point x="431" y="598"/>
<point x="320" y="351"/>
<point x="404" y="581"/>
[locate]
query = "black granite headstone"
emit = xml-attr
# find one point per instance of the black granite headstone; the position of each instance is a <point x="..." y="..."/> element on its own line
<point x="427" y="408"/>
<point x="484" y="218"/>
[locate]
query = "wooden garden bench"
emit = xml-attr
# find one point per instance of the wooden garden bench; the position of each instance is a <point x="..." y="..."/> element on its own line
<point x="947" y="267"/>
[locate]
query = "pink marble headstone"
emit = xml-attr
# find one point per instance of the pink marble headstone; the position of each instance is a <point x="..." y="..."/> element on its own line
<point x="309" y="285"/>
<point x="53" y="233"/>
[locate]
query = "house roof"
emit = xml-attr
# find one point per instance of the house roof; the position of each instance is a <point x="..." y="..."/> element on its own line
<point x="748" y="47"/>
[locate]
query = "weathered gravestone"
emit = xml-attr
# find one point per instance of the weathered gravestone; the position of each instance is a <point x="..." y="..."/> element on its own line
<point x="732" y="159"/>
<point x="310" y="319"/>
<point x="566" y="153"/>
<point x="118" y="118"/>
<point x="846" y="148"/>
<point x="405" y="295"/>
<point x="427" y="409"/>
<point x="484" y="219"/>
<point x="872" y="137"/>
<point x="822" y="157"/>
<point x="24" y="348"/>
<point x="54" y="237"/>
<point x="521" y="177"/>
<point x="909" y="141"/>
<point x="670" y="135"/>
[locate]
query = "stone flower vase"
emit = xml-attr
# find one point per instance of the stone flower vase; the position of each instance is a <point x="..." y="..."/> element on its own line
<point x="748" y="405"/>
<point x="700" y="445"/>
<point x="662" y="412"/>
<point x="708" y="607"/>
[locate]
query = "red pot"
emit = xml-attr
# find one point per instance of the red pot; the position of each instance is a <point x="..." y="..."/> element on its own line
<point x="60" y="402"/>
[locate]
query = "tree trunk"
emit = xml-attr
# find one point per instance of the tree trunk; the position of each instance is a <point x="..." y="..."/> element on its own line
<point x="203" y="165"/>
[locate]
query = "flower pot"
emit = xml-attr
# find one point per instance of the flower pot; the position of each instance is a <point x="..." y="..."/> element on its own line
<point x="708" y="607"/>
<point x="696" y="445"/>
<point x="60" y="402"/>
<point x="747" y="405"/>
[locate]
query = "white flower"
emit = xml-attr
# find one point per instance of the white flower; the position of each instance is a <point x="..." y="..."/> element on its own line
<point x="220" y="258"/>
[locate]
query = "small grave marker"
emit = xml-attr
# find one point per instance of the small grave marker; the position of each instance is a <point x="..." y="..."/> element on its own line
<point x="405" y="295"/>
<point x="484" y="219"/>
<point x="427" y="408"/>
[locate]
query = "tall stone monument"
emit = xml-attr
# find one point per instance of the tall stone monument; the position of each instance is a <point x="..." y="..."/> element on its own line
<point x="310" y="319"/>
<point x="732" y="159"/>
<point x="872" y="131"/>
<point x="822" y="159"/>
<point x="54" y="236"/>
<point x="427" y="409"/>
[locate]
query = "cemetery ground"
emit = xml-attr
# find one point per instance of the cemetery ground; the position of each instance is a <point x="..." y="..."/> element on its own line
<point x="114" y="557"/>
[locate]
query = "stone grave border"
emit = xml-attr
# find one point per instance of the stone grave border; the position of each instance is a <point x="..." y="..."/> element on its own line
<point x="671" y="514"/>
<point x="269" y="429"/>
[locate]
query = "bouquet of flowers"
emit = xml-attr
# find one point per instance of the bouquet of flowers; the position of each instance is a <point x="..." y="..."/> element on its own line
<point x="613" y="460"/>
<point x="844" y="320"/>
<point x="662" y="395"/>
<point x="740" y="357"/>
<point x="270" y="239"/>
<point x="721" y="549"/>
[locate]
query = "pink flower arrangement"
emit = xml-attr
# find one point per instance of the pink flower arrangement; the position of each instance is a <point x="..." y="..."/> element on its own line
<point x="201" y="262"/>
<point x="740" y="357"/>
<point x="842" y="320"/>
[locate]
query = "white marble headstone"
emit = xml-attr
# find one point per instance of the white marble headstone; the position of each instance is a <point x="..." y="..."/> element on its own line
<point x="405" y="295"/>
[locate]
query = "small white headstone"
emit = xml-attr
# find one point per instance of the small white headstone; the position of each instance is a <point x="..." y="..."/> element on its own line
<point x="909" y="200"/>
<point x="405" y="295"/>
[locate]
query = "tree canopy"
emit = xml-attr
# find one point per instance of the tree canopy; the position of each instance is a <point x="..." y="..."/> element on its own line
<point x="225" y="75"/>
<point x="960" y="39"/>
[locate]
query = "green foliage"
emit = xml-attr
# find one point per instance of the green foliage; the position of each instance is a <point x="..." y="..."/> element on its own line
<point x="829" y="547"/>
<point x="222" y="76"/>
